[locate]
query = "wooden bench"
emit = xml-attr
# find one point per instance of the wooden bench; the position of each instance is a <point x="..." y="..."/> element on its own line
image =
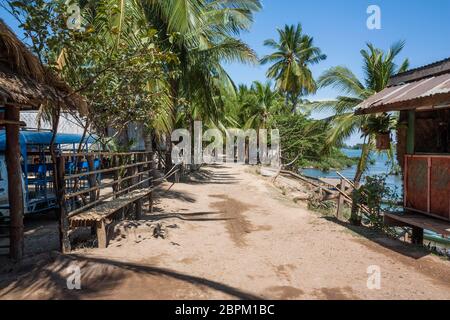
<point x="127" y="181"/>
<point x="98" y="216"/>
<point x="418" y="222"/>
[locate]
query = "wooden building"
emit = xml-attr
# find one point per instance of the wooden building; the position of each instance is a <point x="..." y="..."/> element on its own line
<point x="25" y="84"/>
<point x="422" y="97"/>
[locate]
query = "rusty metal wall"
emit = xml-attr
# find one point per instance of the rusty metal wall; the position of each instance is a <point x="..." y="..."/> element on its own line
<point x="427" y="184"/>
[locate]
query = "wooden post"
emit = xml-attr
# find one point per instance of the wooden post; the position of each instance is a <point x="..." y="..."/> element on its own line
<point x="340" y="207"/>
<point x="62" y="211"/>
<point x="150" y="183"/>
<point x="150" y="202"/>
<point x="417" y="236"/>
<point x="410" y="139"/>
<point x="152" y="165"/>
<point x="102" y="235"/>
<point x="15" y="195"/>
<point x="138" y="209"/>
<point x="115" y="164"/>
<point x="140" y="168"/>
<point x="91" y="178"/>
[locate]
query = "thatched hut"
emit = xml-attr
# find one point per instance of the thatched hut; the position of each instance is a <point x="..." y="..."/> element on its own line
<point x="422" y="97"/>
<point x="24" y="84"/>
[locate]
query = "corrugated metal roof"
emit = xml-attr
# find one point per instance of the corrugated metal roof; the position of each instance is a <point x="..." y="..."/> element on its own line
<point x="429" y="92"/>
<point x="416" y="74"/>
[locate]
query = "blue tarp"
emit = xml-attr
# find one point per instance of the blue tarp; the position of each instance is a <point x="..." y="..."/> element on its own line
<point x="43" y="138"/>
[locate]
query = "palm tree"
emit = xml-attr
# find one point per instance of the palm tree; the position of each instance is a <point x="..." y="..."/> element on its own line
<point x="203" y="33"/>
<point x="379" y="67"/>
<point x="263" y="104"/>
<point x="294" y="54"/>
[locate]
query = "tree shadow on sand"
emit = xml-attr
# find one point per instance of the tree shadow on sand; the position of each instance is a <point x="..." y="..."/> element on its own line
<point x="205" y="176"/>
<point x="101" y="278"/>
<point x="409" y="250"/>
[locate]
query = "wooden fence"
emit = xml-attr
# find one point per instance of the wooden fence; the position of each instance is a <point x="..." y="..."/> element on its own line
<point x="89" y="183"/>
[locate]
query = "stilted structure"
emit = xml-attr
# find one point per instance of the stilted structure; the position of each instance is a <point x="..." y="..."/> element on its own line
<point x="24" y="85"/>
<point x="422" y="96"/>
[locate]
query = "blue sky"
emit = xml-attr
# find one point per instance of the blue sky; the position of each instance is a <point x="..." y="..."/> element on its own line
<point x="339" y="29"/>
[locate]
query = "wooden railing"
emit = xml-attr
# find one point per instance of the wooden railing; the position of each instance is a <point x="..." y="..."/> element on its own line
<point x="87" y="176"/>
<point x="86" y="180"/>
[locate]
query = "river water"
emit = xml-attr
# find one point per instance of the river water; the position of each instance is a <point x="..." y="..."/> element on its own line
<point x="380" y="165"/>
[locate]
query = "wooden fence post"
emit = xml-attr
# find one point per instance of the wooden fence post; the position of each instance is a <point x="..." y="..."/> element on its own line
<point x="62" y="210"/>
<point x="140" y="168"/>
<point x="417" y="236"/>
<point x="115" y="164"/>
<point x="15" y="195"/>
<point x="91" y="178"/>
<point x="151" y="168"/>
<point x="341" y="200"/>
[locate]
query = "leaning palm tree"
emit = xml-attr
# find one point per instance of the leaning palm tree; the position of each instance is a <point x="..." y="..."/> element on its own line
<point x="294" y="54"/>
<point x="379" y="67"/>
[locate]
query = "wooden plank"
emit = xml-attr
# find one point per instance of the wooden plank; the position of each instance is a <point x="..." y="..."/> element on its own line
<point x="306" y="180"/>
<point x="79" y="175"/>
<point x="101" y="153"/>
<point x="420" y="221"/>
<point x="107" y="209"/>
<point x="19" y="123"/>
<point x="105" y="185"/>
<point x="105" y="197"/>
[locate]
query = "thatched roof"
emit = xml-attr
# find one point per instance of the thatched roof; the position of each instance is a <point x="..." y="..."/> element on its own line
<point x="24" y="81"/>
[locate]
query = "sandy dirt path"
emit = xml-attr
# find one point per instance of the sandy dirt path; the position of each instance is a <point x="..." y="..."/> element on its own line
<point x="232" y="235"/>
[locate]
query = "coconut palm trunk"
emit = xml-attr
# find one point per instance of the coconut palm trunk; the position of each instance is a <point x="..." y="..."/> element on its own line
<point x="379" y="67"/>
<point x="355" y="217"/>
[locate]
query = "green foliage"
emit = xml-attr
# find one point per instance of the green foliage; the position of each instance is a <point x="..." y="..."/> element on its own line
<point x="116" y="64"/>
<point x="302" y="140"/>
<point x="382" y="123"/>
<point x="323" y="207"/>
<point x="204" y="36"/>
<point x="379" y="67"/>
<point x="157" y="62"/>
<point x="377" y="197"/>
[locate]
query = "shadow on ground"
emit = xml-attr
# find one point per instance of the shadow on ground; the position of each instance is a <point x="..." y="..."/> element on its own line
<point x="408" y="250"/>
<point x="205" y="176"/>
<point x="102" y="277"/>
